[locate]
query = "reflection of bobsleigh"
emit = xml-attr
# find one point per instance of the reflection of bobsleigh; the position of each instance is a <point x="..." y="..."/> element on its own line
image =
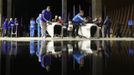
<point x="89" y="30"/>
<point x="86" y="46"/>
<point x="54" y="29"/>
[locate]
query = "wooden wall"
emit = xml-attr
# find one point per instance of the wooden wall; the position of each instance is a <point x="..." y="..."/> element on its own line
<point x="121" y="14"/>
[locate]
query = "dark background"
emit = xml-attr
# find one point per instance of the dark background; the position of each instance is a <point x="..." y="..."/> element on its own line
<point x="24" y="10"/>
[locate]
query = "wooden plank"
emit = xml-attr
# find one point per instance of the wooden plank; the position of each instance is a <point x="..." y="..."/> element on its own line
<point x="123" y="20"/>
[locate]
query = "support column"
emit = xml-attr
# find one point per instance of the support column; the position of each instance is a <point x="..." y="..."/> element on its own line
<point x="64" y="10"/>
<point x="96" y="8"/>
<point x="1" y="16"/>
<point x="9" y="8"/>
<point x="64" y="15"/>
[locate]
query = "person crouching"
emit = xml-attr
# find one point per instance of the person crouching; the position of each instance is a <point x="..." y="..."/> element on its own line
<point x="77" y="21"/>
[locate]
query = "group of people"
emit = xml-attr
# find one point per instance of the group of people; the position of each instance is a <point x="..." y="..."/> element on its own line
<point x="79" y="20"/>
<point x="44" y="18"/>
<point x="105" y="26"/>
<point x="9" y="26"/>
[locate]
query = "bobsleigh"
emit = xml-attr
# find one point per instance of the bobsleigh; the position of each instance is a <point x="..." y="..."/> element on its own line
<point x="89" y="30"/>
<point x="54" y="29"/>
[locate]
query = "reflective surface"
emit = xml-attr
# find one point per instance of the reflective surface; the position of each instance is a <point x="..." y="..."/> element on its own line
<point x="67" y="58"/>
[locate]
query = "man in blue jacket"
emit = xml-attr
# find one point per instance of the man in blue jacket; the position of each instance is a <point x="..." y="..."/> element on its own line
<point x="38" y="21"/>
<point x="45" y="17"/>
<point x="4" y="27"/>
<point x="10" y="25"/>
<point x="32" y="27"/>
<point x="77" y="20"/>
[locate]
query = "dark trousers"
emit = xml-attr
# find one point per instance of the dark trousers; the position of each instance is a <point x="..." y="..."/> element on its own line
<point x="9" y="32"/>
<point x="4" y="32"/>
<point x="131" y="30"/>
<point x="75" y="30"/>
<point x="118" y="32"/>
<point x="106" y="31"/>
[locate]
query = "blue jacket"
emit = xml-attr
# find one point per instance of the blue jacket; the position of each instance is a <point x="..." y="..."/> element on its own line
<point x="32" y="23"/>
<point x="16" y="22"/>
<point x="5" y="24"/>
<point x="78" y="19"/>
<point x="10" y="23"/>
<point x="38" y="19"/>
<point x="78" y="56"/>
<point x="46" y="16"/>
<point x="107" y="22"/>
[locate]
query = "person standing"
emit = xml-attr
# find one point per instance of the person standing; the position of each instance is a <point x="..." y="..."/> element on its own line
<point x="45" y="18"/>
<point x="107" y="26"/>
<point x="60" y="20"/>
<point x="130" y="25"/>
<point x="32" y="27"/>
<point x="38" y="21"/>
<point x="15" y="27"/>
<point x="55" y="18"/>
<point x="10" y="25"/>
<point x="77" y="20"/>
<point x="4" y="27"/>
<point x="98" y="22"/>
<point x="118" y="30"/>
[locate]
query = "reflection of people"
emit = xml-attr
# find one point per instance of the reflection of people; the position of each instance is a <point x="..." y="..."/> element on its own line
<point x="38" y="48"/>
<point x="43" y="56"/>
<point x="131" y="49"/>
<point x="45" y="17"/>
<point x="107" y="48"/>
<point x="77" y="20"/>
<point x="77" y="54"/>
<point x="42" y="48"/>
<point x="46" y="61"/>
<point x="6" y="47"/>
<point x="32" y="47"/>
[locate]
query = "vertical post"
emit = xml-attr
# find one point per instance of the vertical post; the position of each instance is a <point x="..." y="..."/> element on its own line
<point x="90" y="11"/>
<point x="96" y="8"/>
<point x="1" y="16"/>
<point x="9" y="8"/>
<point x="73" y="10"/>
<point x="0" y="12"/>
<point x="64" y="15"/>
<point x="64" y="10"/>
